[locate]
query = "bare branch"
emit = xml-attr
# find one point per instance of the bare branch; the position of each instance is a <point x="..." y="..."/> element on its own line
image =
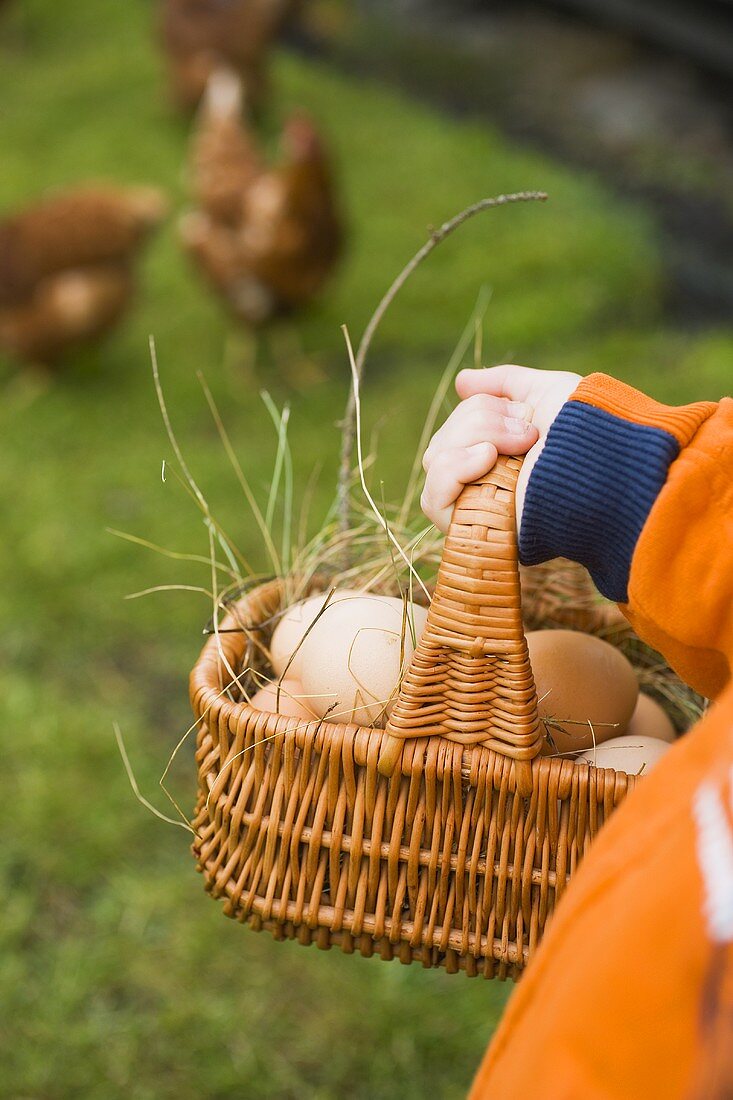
<point x="438" y="235"/>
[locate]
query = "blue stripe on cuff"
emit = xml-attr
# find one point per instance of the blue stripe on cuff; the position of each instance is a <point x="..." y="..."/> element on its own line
<point x="591" y="491"/>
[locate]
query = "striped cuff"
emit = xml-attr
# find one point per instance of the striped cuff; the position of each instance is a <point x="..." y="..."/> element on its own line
<point x="604" y="462"/>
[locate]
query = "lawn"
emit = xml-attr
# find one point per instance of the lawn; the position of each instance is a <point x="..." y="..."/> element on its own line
<point x="118" y="976"/>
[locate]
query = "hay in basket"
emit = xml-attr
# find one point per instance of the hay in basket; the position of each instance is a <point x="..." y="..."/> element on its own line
<point x="447" y="838"/>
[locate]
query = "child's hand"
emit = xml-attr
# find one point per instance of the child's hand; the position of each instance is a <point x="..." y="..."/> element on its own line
<point x="504" y="410"/>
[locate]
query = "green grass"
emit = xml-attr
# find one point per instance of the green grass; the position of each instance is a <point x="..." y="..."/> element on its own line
<point x="118" y="977"/>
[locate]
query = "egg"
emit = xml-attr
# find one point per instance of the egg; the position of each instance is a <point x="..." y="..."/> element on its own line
<point x="651" y="720"/>
<point x="631" y="754"/>
<point x="291" y="702"/>
<point x="581" y="679"/>
<point x="355" y="655"/>
<point x="291" y="628"/>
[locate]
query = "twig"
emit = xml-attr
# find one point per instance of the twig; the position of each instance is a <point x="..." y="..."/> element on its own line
<point x="472" y="328"/>
<point x="360" y="463"/>
<point x="438" y="235"/>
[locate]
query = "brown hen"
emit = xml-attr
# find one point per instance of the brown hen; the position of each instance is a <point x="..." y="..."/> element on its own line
<point x="199" y="36"/>
<point x="266" y="238"/>
<point x="224" y="157"/>
<point x="66" y="271"/>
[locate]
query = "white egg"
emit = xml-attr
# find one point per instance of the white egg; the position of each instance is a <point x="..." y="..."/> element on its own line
<point x="289" y="632"/>
<point x="354" y="657"/>
<point x="631" y="754"/>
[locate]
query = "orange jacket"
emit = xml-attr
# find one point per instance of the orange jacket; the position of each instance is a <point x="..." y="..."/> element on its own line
<point x="631" y="992"/>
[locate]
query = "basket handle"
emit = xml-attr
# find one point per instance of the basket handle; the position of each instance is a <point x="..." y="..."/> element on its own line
<point x="470" y="678"/>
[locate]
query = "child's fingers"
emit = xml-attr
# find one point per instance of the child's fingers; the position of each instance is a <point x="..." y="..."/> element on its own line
<point x="508" y="381"/>
<point x="545" y="391"/>
<point x="505" y="423"/>
<point x="447" y="474"/>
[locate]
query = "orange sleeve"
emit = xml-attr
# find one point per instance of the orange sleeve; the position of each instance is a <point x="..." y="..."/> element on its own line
<point x="681" y="580"/>
<point x="642" y="494"/>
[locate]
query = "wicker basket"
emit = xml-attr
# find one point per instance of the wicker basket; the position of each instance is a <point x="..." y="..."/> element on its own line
<point x="454" y="849"/>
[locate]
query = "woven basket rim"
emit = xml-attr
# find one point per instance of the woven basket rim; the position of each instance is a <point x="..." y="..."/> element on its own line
<point x="209" y="699"/>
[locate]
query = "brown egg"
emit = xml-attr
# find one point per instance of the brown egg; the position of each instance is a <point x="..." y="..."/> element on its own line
<point x="291" y="703"/>
<point x="582" y="682"/>
<point x="631" y="754"/>
<point x="651" y="720"/>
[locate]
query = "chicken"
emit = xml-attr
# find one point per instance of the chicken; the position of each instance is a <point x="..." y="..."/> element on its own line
<point x="224" y="156"/>
<point x="72" y="308"/>
<point x="200" y="36"/>
<point x="66" y="266"/>
<point x="266" y="238"/>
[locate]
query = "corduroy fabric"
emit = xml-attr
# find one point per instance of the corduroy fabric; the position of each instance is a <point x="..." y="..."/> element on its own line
<point x="591" y="491"/>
